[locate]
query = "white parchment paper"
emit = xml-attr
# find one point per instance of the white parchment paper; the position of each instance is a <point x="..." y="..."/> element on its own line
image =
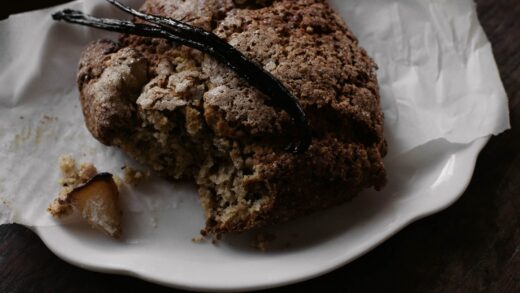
<point x="438" y="80"/>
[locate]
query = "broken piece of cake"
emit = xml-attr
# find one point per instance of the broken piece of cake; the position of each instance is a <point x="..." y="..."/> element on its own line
<point x="94" y="195"/>
<point x="187" y="114"/>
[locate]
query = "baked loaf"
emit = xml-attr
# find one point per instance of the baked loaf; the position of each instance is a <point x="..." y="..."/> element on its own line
<point x="188" y="116"/>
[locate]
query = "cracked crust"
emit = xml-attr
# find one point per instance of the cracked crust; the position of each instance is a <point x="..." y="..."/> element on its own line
<point x="188" y="116"/>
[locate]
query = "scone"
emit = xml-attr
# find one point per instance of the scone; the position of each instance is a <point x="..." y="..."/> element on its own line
<point x="188" y="116"/>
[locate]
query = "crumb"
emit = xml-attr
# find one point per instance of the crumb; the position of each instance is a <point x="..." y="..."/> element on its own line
<point x="198" y="239"/>
<point x="59" y="208"/>
<point x="86" y="171"/>
<point x="22" y="118"/>
<point x="71" y="178"/>
<point x="132" y="176"/>
<point x="263" y="241"/>
<point x="71" y="175"/>
<point x="48" y="119"/>
<point x="68" y="170"/>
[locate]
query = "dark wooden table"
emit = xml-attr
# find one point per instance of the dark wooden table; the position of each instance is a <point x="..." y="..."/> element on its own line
<point x="473" y="246"/>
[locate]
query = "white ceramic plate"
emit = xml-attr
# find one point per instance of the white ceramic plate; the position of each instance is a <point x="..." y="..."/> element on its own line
<point x="421" y="182"/>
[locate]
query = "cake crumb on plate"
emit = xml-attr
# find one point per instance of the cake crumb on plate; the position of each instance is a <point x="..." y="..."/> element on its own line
<point x="133" y="176"/>
<point x="71" y="178"/>
<point x="94" y="195"/>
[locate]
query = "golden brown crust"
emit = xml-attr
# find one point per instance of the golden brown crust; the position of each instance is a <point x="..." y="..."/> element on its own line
<point x="187" y="115"/>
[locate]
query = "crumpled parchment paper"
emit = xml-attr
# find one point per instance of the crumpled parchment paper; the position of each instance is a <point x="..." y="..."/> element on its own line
<point x="437" y="75"/>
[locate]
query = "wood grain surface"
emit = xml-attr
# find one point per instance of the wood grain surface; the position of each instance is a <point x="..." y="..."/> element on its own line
<point x="473" y="246"/>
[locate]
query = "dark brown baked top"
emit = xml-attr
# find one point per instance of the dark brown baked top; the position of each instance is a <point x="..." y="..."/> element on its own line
<point x="187" y="115"/>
